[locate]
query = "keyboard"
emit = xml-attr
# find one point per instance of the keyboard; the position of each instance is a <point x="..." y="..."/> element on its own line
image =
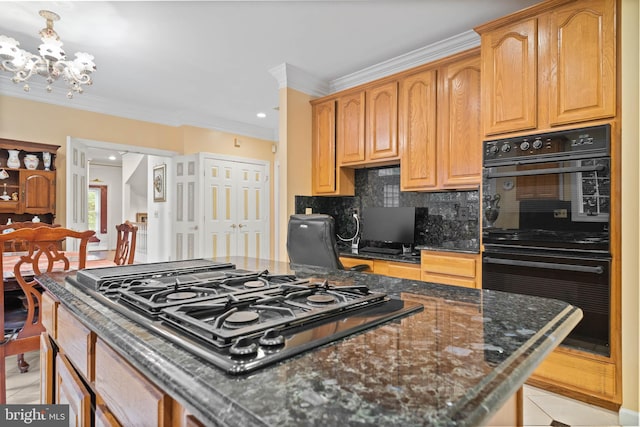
<point x="385" y="251"/>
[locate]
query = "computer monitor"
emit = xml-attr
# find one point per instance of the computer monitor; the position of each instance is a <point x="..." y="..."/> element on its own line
<point x="389" y="225"/>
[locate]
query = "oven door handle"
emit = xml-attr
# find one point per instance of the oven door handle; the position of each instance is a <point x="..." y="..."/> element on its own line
<point x="597" y="168"/>
<point x="548" y="265"/>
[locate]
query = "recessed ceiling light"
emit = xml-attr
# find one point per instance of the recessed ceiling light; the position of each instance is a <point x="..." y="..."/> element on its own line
<point x="112" y="157"/>
<point x="261" y="115"/>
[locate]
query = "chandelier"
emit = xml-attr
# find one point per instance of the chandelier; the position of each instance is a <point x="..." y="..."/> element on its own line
<point x="51" y="64"/>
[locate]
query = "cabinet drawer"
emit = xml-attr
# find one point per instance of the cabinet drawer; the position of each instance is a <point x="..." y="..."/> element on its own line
<point x="49" y="314"/>
<point x="77" y="342"/>
<point x="130" y="397"/>
<point x="347" y="263"/>
<point x="402" y="270"/>
<point x="451" y="268"/>
<point x="71" y="390"/>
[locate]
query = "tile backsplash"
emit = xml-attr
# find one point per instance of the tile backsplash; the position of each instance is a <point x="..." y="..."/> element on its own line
<point x="444" y="220"/>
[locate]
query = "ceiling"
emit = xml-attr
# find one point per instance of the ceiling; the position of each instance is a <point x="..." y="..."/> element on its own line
<point x="216" y="64"/>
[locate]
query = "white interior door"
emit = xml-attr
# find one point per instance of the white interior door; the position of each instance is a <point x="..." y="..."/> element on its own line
<point x="236" y="208"/>
<point x="77" y="184"/>
<point x="187" y="219"/>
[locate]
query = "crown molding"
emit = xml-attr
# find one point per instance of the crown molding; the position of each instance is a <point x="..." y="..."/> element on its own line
<point x="96" y="104"/>
<point x="286" y="74"/>
<point x="458" y="43"/>
<point x="293" y="77"/>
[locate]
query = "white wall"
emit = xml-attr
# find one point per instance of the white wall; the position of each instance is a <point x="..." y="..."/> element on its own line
<point x="160" y="220"/>
<point x="135" y="188"/>
<point x="111" y="177"/>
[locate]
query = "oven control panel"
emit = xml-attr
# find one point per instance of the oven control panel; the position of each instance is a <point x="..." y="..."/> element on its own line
<point x="573" y="143"/>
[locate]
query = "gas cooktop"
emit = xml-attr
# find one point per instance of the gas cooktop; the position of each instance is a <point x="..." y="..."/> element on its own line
<point x="239" y="320"/>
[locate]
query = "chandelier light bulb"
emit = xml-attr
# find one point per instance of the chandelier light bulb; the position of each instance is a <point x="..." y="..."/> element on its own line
<point x="50" y="64"/>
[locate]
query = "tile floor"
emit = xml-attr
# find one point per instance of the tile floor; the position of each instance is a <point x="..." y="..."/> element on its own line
<point x="541" y="408"/>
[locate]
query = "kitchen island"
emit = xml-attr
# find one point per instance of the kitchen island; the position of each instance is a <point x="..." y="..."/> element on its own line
<point x="454" y="363"/>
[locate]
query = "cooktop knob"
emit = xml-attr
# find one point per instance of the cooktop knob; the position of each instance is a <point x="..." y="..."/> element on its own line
<point x="537" y="144"/>
<point x="271" y="338"/>
<point x="524" y="146"/>
<point x="243" y="347"/>
<point x="506" y="148"/>
<point x="493" y="149"/>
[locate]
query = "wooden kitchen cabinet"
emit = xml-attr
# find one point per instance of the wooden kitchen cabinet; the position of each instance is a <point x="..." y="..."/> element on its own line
<point x="100" y="386"/>
<point x="131" y="398"/>
<point x="326" y="177"/>
<point x="441" y="145"/>
<point x="403" y="270"/>
<point x="451" y="268"/>
<point x="459" y="133"/>
<point x="580" y="62"/>
<point x="70" y="390"/>
<point x="350" y="129"/>
<point x="509" y="77"/>
<point x="348" y="262"/>
<point x="78" y="343"/>
<point x="47" y="359"/>
<point x="381" y="127"/>
<point x="417" y="129"/>
<point x="367" y="123"/>
<point x="554" y="65"/>
<point x="27" y="192"/>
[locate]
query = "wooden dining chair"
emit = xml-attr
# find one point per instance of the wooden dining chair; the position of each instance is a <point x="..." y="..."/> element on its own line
<point x="126" y="243"/>
<point x="42" y="254"/>
<point x="15" y="300"/>
<point x="18" y="245"/>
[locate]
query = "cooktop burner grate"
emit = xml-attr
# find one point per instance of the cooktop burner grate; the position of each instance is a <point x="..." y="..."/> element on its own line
<point x="236" y="319"/>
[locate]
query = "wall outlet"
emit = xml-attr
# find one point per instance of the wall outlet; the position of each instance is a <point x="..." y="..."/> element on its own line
<point x="308" y="211"/>
<point x="559" y="213"/>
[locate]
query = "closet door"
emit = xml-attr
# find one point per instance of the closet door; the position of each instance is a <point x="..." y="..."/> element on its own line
<point x="236" y="208"/>
<point x="187" y="221"/>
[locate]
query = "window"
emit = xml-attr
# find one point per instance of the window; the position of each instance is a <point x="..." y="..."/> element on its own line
<point x="97" y="209"/>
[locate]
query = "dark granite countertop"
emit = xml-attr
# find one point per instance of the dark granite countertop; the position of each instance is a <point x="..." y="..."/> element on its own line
<point x="453" y="364"/>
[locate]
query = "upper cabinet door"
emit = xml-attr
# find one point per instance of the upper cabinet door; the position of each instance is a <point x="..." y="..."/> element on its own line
<point x="582" y="62"/>
<point x="351" y="128"/>
<point x="323" y="154"/>
<point x="459" y="137"/>
<point x="38" y="191"/>
<point x="417" y="129"/>
<point x="382" y="122"/>
<point x="509" y="78"/>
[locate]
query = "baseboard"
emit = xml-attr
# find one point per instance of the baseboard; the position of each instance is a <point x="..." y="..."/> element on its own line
<point x="628" y="417"/>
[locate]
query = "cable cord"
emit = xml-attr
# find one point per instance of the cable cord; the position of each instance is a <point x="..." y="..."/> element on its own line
<point x="357" y="231"/>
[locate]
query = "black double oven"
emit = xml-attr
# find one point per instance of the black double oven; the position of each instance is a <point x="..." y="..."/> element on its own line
<point x="545" y="204"/>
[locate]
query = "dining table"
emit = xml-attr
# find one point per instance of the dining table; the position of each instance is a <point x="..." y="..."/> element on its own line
<point x="9" y="260"/>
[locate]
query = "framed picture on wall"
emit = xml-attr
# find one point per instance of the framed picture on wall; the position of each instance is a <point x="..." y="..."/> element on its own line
<point x="160" y="183"/>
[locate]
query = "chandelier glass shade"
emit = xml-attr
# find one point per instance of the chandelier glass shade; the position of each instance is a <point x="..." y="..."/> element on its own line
<point x="50" y="64"/>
